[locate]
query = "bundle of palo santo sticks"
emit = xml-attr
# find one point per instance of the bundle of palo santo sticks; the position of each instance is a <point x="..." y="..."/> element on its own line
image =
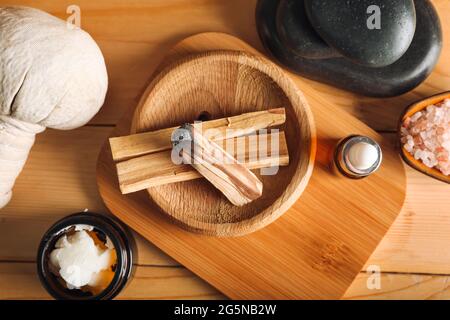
<point x="223" y="151"/>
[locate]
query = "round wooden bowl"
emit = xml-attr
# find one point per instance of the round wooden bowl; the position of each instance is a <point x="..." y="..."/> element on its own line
<point x="220" y="84"/>
<point x="407" y="157"/>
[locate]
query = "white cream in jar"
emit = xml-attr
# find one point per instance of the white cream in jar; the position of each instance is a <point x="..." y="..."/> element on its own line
<point x="82" y="260"/>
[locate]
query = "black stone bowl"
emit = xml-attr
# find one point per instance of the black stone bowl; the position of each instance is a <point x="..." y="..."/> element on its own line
<point x="395" y="79"/>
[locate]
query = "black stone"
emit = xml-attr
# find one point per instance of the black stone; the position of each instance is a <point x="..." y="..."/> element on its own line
<point x="344" y="26"/>
<point x="298" y="34"/>
<point x="400" y="77"/>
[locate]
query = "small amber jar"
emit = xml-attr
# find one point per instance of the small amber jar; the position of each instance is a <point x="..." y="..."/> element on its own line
<point x="104" y="226"/>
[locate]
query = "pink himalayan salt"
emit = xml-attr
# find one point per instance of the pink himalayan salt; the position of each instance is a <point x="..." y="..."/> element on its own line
<point x="426" y="136"/>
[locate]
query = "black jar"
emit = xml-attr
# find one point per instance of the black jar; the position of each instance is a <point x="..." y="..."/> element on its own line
<point x="103" y="225"/>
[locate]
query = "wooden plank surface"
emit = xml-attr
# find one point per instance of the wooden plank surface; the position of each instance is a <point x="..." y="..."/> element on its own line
<point x="159" y="24"/>
<point x="417" y="242"/>
<point x="400" y="286"/>
<point x="20" y="281"/>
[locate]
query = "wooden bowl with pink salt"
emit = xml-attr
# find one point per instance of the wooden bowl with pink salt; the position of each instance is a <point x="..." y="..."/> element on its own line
<point x="424" y="131"/>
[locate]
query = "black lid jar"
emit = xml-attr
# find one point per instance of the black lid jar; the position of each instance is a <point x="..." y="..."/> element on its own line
<point x="103" y="226"/>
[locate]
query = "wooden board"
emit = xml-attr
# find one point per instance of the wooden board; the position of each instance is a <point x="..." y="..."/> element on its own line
<point x="315" y="250"/>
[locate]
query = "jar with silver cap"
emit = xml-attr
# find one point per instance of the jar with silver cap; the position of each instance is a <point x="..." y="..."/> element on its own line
<point x="358" y="156"/>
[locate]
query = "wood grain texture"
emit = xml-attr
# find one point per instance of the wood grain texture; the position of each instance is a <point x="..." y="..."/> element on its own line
<point x="417" y="241"/>
<point x="425" y="213"/>
<point x="55" y="162"/>
<point x="228" y="84"/>
<point x="134" y="37"/>
<point x="136" y="174"/>
<point x="138" y="144"/>
<point x="397" y="286"/>
<point x="231" y="177"/>
<point x="20" y="281"/>
<point x="43" y="196"/>
<point x="321" y="254"/>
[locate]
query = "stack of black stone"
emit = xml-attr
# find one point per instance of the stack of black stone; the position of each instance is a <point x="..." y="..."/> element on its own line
<point x="378" y="48"/>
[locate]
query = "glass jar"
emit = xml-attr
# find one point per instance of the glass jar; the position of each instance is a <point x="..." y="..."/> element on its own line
<point x="104" y="226"/>
<point x="344" y="165"/>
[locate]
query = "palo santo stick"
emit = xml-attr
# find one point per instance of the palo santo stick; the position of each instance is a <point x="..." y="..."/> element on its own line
<point x="228" y="175"/>
<point x="149" y="142"/>
<point x="158" y="168"/>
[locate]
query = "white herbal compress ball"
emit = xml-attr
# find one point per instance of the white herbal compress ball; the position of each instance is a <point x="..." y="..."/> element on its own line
<point x="52" y="75"/>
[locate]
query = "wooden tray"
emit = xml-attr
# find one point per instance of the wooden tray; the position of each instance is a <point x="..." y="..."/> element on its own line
<point x="315" y="250"/>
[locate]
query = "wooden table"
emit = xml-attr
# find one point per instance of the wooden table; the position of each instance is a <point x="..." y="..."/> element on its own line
<point x="59" y="177"/>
